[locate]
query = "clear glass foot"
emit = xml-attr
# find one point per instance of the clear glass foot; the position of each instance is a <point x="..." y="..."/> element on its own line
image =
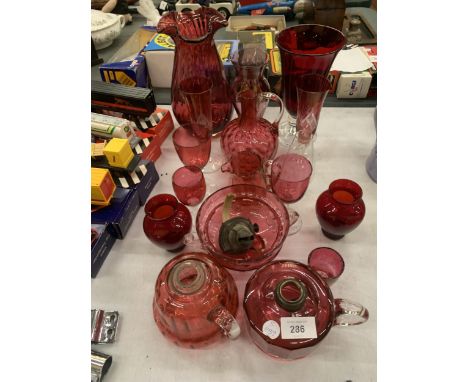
<point x="295" y="222"/>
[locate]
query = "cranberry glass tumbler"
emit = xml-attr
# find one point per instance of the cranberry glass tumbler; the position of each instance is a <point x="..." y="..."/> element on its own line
<point x="189" y="185"/>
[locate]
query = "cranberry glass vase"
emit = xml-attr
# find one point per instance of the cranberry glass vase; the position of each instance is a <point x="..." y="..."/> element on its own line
<point x="196" y="55"/>
<point x="248" y="141"/>
<point x="195" y="301"/>
<point x="290" y="309"/>
<point x="166" y="222"/>
<point x="251" y="204"/>
<point x="340" y="209"/>
<point x="306" y="49"/>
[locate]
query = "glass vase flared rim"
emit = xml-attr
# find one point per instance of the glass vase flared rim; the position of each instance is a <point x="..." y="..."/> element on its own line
<point x="218" y="253"/>
<point x="172" y="201"/>
<point x="311" y="54"/>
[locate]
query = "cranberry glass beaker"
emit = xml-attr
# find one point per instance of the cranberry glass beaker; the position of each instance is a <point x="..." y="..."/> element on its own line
<point x="196" y="55"/>
<point x="195" y="301"/>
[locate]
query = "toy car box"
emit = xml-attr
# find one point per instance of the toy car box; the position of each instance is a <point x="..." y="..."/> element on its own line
<point x="127" y="66"/>
<point x="120" y="213"/>
<point x="101" y="244"/>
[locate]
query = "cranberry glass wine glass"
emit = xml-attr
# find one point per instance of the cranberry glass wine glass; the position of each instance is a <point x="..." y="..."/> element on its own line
<point x="290" y="176"/>
<point x="312" y="90"/>
<point x="196" y="94"/>
<point x="304" y="49"/>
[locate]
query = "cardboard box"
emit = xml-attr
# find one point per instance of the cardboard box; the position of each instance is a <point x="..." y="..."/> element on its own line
<point x="127" y="66"/>
<point x="333" y="77"/>
<point x="143" y="180"/>
<point x="236" y="23"/>
<point x="101" y="244"/>
<point x="354" y="85"/>
<point x="159" y="56"/>
<point x="120" y="213"/>
<point x="161" y="131"/>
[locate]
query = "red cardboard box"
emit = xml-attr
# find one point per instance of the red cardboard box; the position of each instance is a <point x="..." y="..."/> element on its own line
<point x="163" y="128"/>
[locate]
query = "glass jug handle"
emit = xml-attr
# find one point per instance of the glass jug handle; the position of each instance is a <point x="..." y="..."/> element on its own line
<point x="275" y="98"/>
<point x="349" y="313"/>
<point x="226" y="321"/>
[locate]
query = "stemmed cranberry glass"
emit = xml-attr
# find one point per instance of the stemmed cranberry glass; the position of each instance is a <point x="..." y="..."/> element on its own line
<point x="195" y="93"/>
<point x="289" y="179"/>
<point x="304" y="49"/>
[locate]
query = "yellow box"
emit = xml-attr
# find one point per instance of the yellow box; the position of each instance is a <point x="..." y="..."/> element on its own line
<point x="102" y="186"/>
<point x="118" y="152"/>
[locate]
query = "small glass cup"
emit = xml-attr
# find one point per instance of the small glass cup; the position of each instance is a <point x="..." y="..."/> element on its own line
<point x="327" y="262"/>
<point x="189" y="185"/>
<point x="191" y="150"/>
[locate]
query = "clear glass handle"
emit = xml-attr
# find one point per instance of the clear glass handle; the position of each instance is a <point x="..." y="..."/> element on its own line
<point x="349" y="313"/>
<point x="275" y="98"/>
<point x="226" y="321"/>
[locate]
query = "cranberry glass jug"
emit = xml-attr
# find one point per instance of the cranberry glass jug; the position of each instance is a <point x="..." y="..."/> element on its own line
<point x="290" y="309"/>
<point x="250" y="63"/>
<point x="196" y="55"/>
<point x="195" y="301"/>
<point x="242" y="226"/>
<point x="249" y="140"/>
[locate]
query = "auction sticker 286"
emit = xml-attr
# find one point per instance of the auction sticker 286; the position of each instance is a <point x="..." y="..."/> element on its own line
<point x="298" y="328"/>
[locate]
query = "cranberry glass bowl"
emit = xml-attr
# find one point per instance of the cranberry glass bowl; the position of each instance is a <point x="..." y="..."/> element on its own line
<point x="254" y="203"/>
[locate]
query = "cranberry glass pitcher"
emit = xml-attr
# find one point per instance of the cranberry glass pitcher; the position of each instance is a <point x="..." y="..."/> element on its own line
<point x="196" y="55"/>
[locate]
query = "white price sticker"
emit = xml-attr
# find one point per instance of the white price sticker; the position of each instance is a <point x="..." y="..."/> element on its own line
<point x="271" y="329"/>
<point x="298" y="327"/>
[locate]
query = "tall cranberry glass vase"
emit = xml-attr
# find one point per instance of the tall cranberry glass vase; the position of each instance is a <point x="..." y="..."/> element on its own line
<point x="196" y="55"/>
<point x="305" y="49"/>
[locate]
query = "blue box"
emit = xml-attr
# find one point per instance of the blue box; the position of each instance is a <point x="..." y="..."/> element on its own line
<point x="127" y="66"/>
<point x="101" y="244"/>
<point x="120" y="213"/>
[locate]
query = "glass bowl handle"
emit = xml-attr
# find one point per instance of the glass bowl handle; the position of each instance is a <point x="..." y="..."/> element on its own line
<point x="349" y="313"/>
<point x="275" y="98"/>
<point x="226" y="322"/>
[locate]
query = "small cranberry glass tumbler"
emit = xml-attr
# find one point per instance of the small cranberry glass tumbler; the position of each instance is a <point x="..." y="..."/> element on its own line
<point x="242" y="226"/>
<point x="166" y="222"/>
<point x="195" y="301"/>
<point x="192" y="151"/>
<point x="340" y="209"/>
<point x="290" y="309"/>
<point x="189" y="185"/>
<point x="327" y="262"/>
<point x="289" y="179"/>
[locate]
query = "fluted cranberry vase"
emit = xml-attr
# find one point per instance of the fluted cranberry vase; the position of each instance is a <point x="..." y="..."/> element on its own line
<point x="196" y="55"/>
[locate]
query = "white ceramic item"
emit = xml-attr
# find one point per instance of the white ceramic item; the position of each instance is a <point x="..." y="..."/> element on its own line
<point x="105" y="28"/>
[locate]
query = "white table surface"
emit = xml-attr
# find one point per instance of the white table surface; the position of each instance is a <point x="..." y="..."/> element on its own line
<point x="126" y="280"/>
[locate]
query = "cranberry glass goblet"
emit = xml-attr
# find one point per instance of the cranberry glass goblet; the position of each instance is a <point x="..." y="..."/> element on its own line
<point x="196" y="96"/>
<point x="312" y="90"/>
<point x="304" y="49"/>
<point x="191" y="150"/>
<point x="290" y="176"/>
